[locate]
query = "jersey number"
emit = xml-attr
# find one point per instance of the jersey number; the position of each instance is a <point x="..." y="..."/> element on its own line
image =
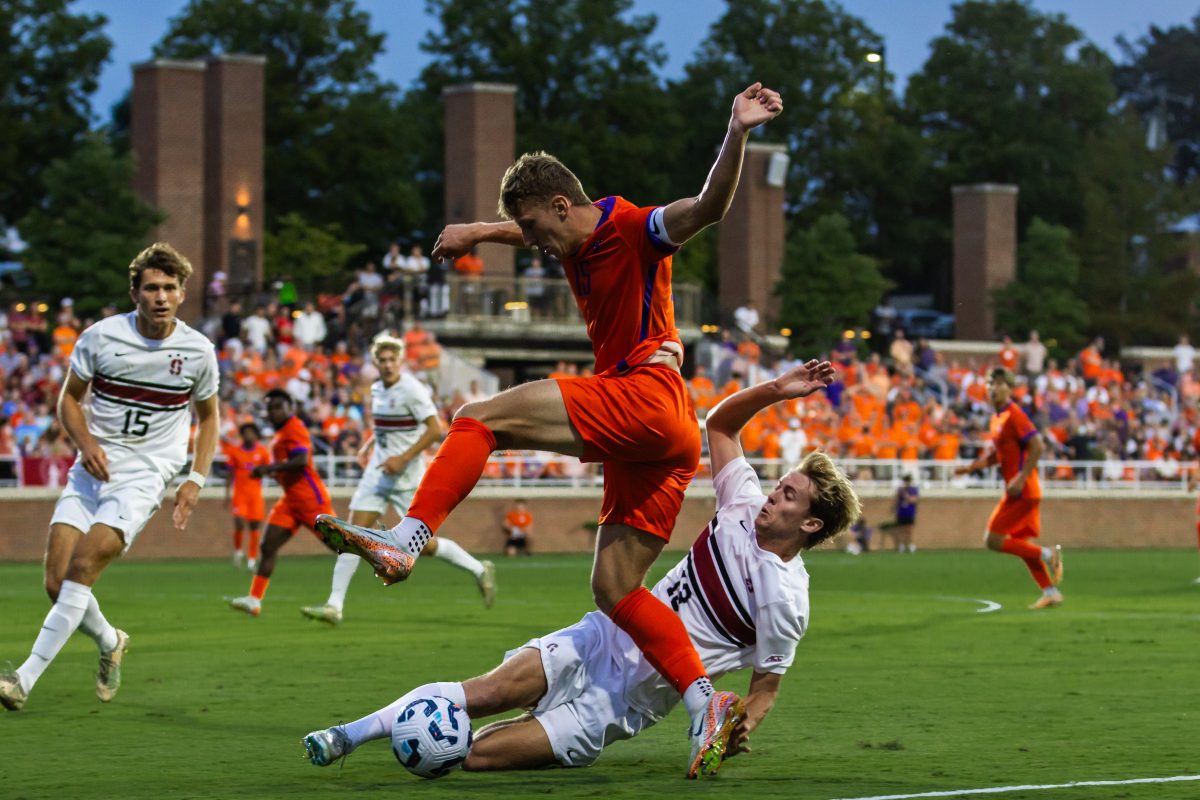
<point x="136" y="423"/>
<point x="679" y="592"/>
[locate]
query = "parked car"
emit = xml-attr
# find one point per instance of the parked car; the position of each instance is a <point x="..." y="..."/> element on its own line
<point x="924" y="322"/>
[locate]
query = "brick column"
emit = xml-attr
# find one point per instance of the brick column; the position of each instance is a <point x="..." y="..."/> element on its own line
<point x="233" y="172"/>
<point x="985" y="254"/>
<point x="480" y="146"/>
<point x="752" y="235"/>
<point x="167" y="133"/>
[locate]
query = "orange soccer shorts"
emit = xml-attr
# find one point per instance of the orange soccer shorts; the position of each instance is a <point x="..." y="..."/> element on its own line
<point x="290" y="513"/>
<point x="641" y="425"/>
<point x="1017" y="517"/>
<point x="249" y="506"/>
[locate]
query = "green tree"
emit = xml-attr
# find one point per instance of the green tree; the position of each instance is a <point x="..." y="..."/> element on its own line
<point x="306" y="253"/>
<point x="1162" y="80"/>
<point x="1045" y="296"/>
<point x="586" y="85"/>
<point x="87" y="228"/>
<point x="826" y="285"/>
<point x="49" y="64"/>
<point x="340" y="148"/>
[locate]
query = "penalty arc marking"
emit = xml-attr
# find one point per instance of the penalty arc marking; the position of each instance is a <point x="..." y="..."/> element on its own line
<point x="1025" y="788"/>
<point x="988" y="606"/>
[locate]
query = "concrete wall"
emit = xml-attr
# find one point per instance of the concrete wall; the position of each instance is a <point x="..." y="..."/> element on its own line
<point x="561" y="517"/>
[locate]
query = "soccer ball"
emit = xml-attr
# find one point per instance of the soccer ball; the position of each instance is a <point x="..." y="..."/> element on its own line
<point x="431" y="736"/>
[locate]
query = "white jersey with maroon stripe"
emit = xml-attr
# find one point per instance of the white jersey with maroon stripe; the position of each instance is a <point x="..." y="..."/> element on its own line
<point x="142" y="389"/>
<point x="742" y="606"/>
<point x="398" y="414"/>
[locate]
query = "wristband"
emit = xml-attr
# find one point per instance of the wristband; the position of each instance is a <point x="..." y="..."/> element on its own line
<point x="196" y="478"/>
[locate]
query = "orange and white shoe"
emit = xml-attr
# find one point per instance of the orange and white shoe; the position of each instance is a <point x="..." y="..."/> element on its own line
<point x="391" y="562"/>
<point x="246" y="604"/>
<point x="710" y="733"/>
<point x="1055" y="565"/>
<point x="1048" y="601"/>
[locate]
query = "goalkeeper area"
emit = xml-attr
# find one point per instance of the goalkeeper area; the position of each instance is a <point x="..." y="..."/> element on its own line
<point x="921" y="675"/>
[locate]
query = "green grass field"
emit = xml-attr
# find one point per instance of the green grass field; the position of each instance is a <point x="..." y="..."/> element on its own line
<point x="900" y="687"/>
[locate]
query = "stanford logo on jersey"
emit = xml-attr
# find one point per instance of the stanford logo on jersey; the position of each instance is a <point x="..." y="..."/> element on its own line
<point x="176" y="366"/>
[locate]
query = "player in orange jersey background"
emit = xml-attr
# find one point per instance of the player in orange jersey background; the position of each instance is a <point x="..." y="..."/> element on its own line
<point x="247" y="502"/>
<point x="1016" y="447"/>
<point x="304" y="493"/>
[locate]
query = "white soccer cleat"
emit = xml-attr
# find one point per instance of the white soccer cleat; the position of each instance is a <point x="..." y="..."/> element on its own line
<point x="487" y="583"/>
<point x="391" y="562"/>
<point x="710" y="733"/>
<point x="322" y="748"/>
<point x="238" y="559"/>
<point x="12" y="695"/>
<point x="252" y="564"/>
<point x="247" y="604"/>
<point x="325" y="613"/>
<point x="108" y="678"/>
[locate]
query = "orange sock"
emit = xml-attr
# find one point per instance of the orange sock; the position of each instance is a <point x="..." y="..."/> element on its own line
<point x="258" y="586"/>
<point x="237" y="540"/>
<point x="659" y="634"/>
<point x="454" y="471"/>
<point x="252" y="548"/>
<point x="1031" y="554"/>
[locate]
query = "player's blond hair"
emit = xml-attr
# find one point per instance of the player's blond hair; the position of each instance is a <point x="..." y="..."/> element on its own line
<point x="386" y="342"/>
<point x="833" y="500"/>
<point x="162" y="257"/>
<point x="537" y="177"/>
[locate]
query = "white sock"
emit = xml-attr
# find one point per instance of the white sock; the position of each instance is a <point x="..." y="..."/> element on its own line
<point x="61" y="622"/>
<point x="96" y="626"/>
<point x="412" y="535"/>
<point x="695" y="698"/>
<point x="378" y="725"/>
<point x="452" y="551"/>
<point x="1047" y="554"/>
<point x="343" y="571"/>
<point x="1050" y="591"/>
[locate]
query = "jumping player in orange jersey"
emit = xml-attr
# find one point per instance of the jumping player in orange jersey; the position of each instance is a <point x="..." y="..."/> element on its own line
<point x="1016" y="447"/>
<point x="304" y="494"/>
<point x="248" y="507"/>
<point x="634" y="415"/>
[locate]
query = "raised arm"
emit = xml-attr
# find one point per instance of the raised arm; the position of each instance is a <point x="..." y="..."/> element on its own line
<point x="725" y="422"/>
<point x="457" y="240"/>
<point x="685" y="218"/>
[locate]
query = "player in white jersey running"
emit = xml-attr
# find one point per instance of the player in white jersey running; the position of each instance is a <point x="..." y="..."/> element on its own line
<point x="741" y="592"/>
<point x="145" y="370"/>
<point x="403" y="422"/>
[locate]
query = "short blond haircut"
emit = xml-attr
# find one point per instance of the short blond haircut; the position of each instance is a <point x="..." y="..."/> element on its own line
<point x="162" y="257"/>
<point x="385" y="342"/>
<point x="833" y="500"/>
<point x="537" y="178"/>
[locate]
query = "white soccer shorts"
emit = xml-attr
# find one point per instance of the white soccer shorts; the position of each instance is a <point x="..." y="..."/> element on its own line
<point x="126" y="501"/>
<point x="376" y="491"/>
<point x="584" y="708"/>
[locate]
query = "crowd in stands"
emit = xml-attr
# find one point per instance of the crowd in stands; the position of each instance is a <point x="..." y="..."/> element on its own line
<point x="907" y="401"/>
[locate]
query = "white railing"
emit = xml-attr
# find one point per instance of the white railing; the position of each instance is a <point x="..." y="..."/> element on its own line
<point x="540" y="469"/>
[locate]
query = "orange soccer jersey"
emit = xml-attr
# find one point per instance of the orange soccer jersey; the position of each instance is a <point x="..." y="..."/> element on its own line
<point x="520" y="520"/>
<point x="304" y="493"/>
<point x="1011" y="430"/>
<point x="247" y="490"/>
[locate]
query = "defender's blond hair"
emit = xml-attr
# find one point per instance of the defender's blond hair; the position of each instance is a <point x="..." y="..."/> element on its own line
<point x="537" y="177"/>
<point x="833" y="501"/>
<point x="162" y="257"/>
<point x="385" y="342"/>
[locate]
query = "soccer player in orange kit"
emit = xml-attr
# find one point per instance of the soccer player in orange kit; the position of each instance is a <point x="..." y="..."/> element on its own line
<point x="1016" y="447"/>
<point x="634" y="415"/>
<point x="304" y="494"/>
<point x="247" y="506"/>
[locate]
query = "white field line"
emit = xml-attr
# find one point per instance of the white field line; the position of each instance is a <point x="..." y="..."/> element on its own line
<point x="988" y="605"/>
<point x="1025" y="788"/>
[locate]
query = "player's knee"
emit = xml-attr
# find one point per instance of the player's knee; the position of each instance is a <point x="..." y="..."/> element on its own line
<point x="53" y="584"/>
<point x="478" y="763"/>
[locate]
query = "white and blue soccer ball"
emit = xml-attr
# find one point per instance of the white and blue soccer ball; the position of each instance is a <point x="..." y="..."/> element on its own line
<point x="431" y="736"/>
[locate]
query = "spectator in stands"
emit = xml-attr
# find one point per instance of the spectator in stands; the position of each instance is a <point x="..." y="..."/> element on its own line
<point x="257" y="329"/>
<point x="534" y="286"/>
<point x="1185" y="354"/>
<point x="309" y="329"/>
<point x="845" y="352"/>
<point x="438" y="304"/>
<point x="1091" y="361"/>
<point x="901" y="352"/>
<point x="746" y="318"/>
<point x="231" y="322"/>
<point x="1008" y="355"/>
<point x="393" y="260"/>
<point x="1034" y="354"/>
<point x="792" y="443"/>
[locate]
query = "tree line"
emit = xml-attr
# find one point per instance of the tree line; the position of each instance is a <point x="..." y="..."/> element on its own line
<point x="1106" y="151"/>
